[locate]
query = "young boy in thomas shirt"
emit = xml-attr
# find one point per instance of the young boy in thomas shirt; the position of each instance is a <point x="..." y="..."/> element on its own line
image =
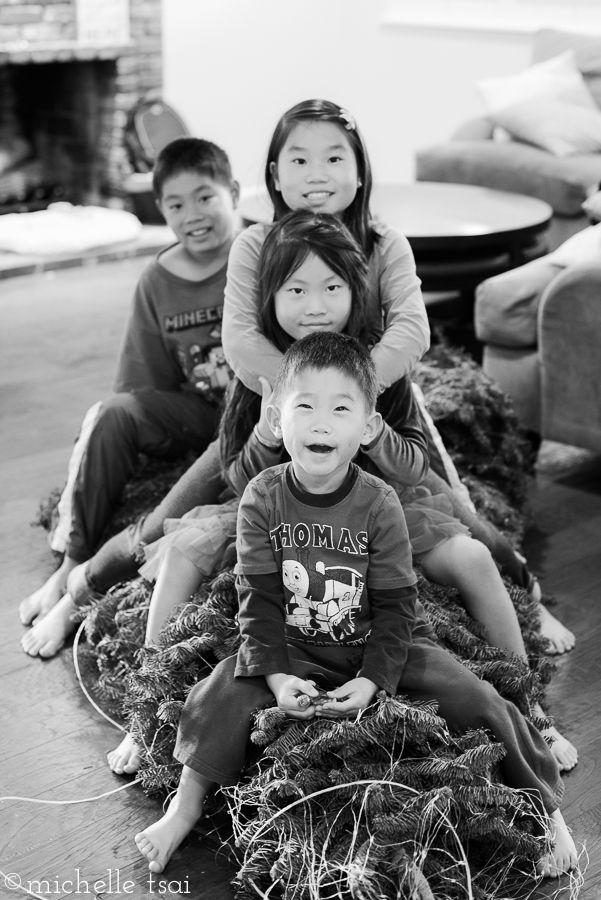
<point x="170" y="374"/>
<point x="328" y="596"/>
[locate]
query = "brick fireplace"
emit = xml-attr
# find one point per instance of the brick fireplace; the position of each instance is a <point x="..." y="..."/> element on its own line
<point x="70" y="71"/>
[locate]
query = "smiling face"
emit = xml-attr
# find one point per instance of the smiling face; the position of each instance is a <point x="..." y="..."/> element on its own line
<point x="314" y="298"/>
<point x="295" y="577"/>
<point x="200" y="211"/>
<point x="317" y="168"/>
<point x="323" y="420"/>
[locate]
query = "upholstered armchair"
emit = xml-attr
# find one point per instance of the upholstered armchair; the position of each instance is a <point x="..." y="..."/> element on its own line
<point x="541" y="326"/>
<point x="473" y="156"/>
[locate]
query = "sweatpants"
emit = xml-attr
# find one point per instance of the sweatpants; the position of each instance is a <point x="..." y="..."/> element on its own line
<point x="215" y="724"/>
<point x="114" y="433"/>
<point x="118" y="559"/>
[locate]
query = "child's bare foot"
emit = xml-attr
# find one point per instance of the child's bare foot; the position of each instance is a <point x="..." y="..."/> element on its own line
<point x="159" y="841"/>
<point x="564" y="752"/>
<point x="49" y="634"/>
<point x="561" y="638"/>
<point x="38" y="604"/>
<point x="125" y="759"/>
<point x="563" y="857"/>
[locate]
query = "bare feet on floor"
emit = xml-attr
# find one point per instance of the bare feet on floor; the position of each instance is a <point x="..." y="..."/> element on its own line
<point x="564" y="752"/>
<point x="125" y="759"/>
<point x="563" y="858"/>
<point x="159" y="841"/>
<point x="39" y="604"/>
<point x="49" y="634"/>
<point x="561" y="638"/>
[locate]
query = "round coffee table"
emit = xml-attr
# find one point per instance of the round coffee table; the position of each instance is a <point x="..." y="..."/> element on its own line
<point x="459" y="234"/>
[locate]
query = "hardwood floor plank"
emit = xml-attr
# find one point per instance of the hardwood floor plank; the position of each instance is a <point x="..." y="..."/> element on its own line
<point x="97" y="841"/>
<point x="563" y="547"/>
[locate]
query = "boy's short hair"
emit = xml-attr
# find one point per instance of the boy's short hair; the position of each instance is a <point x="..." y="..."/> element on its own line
<point x="190" y="154"/>
<point x="329" y="350"/>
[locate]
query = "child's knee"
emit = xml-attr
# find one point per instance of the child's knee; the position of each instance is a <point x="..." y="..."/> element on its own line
<point x="119" y="407"/>
<point x="174" y="556"/>
<point x="475" y="555"/>
<point x="478" y="706"/>
<point x="117" y="416"/>
<point x="218" y="683"/>
<point x="450" y="561"/>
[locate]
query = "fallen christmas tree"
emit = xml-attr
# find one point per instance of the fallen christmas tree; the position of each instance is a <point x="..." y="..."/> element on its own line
<point x="391" y="799"/>
<point x="390" y="805"/>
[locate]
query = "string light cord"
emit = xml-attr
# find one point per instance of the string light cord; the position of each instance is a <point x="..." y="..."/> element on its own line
<point x="12" y="881"/>
<point x="85" y="691"/>
<point x="122" y="787"/>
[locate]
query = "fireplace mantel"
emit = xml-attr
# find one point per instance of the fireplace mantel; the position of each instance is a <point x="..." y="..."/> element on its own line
<point x="61" y="51"/>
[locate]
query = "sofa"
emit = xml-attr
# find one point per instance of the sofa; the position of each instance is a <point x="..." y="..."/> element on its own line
<point x="541" y="328"/>
<point x="474" y="155"/>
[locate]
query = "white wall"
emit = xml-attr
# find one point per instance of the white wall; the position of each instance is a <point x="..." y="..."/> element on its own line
<point x="232" y="67"/>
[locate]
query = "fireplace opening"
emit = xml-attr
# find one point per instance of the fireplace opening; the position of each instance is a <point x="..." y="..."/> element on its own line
<point x="56" y="132"/>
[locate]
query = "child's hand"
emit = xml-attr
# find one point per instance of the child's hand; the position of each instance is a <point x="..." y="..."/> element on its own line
<point x="266" y="397"/>
<point x="348" y="700"/>
<point x="293" y="695"/>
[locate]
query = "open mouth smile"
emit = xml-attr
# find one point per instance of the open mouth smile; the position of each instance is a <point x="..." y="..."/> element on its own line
<point x="199" y="232"/>
<point x="319" y="448"/>
<point x="318" y="195"/>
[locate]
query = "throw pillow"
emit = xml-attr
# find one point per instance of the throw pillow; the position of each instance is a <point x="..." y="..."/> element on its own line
<point x="587" y="53"/>
<point x="554" y="125"/>
<point x="558" y="78"/>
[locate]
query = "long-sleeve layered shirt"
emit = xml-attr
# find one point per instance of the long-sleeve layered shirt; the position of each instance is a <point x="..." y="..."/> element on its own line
<point x="397" y="310"/>
<point x="328" y="569"/>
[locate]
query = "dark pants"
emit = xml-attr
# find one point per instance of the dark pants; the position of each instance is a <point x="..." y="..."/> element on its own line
<point x="158" y="423"/>
<point x="215" y="725"/>
<point x="117" y="559"/>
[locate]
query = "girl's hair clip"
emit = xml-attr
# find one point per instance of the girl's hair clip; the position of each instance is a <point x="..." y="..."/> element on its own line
<point x="348" y="118"/>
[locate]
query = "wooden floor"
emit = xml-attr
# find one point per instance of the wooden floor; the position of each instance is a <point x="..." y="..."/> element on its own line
<point x="59" y="337"/>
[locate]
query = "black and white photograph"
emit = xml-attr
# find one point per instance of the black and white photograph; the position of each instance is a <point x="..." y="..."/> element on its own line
<point x="300" y="449"/>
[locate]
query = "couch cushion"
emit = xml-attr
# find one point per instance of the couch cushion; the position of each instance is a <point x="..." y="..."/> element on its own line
<point x="558" y="77"/>
<point x="506" y="307"/>
<point x="513" y="167"/>
<point x="564" y="129"/>
<point x="587" y="51"/>
<point x="517" y="372"/>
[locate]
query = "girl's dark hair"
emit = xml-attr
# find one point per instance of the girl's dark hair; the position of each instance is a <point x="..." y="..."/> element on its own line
<point x="357" y="216"/>
<point x="240" y="413"/>
<point x="288" y="243"/>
